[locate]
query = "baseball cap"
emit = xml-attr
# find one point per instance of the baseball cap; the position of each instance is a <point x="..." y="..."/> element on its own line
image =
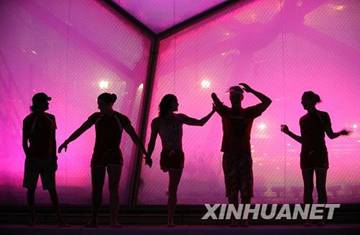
<point x="235" y="90"/>
<point x="40" y="97"/>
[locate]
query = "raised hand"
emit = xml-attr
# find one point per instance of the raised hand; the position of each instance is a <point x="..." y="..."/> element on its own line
<point x="246" y="87"/>
<point x="214" y="96"/>
<point x="213" y="108"/>
<point x="284" y="128"/>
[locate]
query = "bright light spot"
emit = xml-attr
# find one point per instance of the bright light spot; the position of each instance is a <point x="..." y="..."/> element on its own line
<point x="103" y="84"/>
<point x="227" y="34"/>
<point x="354" y="126"/>
<point x="339" y="7"/>
<point x="253" y="17"/>
<point x="141" y="86"/>
<point x="288" y="144"/>
<point x="358" y="141"/>
<point x="205" y="84"/>
<point x="223" y="54"/>
<point x="34" y="52"/>
<point x="262" y="126"/>
<point x="299" y="3"/>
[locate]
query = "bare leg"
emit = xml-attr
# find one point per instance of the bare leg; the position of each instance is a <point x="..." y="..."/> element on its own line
<point x="308" y="179"/>
<point x="31" y="205"/>
<point x="97" y="179"/>
<point x="174" y="180"/>
<point x="321" y="185"/>
<point x="245" y="200"/>
<point x="233" y="198"/>
<point x="321" y="188"/>
<point x="55" y="201"/>
<point x="114" y="172"/>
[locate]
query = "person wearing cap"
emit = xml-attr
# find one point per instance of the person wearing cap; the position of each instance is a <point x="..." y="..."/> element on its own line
<point x="39" y="145"/>
<point x="107" y="157"/>
<point x="236" y="124"/>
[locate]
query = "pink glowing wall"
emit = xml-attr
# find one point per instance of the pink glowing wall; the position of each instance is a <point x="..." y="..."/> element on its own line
<point x="65" y="48"/>
<point x="160" y="15"/>
<point x="281" y="48"/>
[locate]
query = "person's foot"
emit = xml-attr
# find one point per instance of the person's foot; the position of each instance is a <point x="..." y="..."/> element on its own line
<point x="244" y="223"/>
<point x="92" y="223"/>
<point x="307" y="223"/>
<point x="233" y="223"/>
<point x="32" y="222"/>
<point x="171" y="223"/>
<point x="115" y="224"/>
<point x="320" y="223"/>
<point x="62" y="223"/>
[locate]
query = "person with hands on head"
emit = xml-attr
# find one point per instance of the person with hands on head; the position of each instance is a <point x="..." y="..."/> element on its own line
<point x="169" y="126"/>
<point x="39" y="145"/>
<point x="236" y="124"/>
<point x="107" y="156"/>
<point x="314" y="156"/>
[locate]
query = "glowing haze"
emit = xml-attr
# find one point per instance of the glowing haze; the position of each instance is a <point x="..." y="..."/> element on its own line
<point x="76" y="49"/>
<point x="73" y="50"/>
<point x="281" y="48"/>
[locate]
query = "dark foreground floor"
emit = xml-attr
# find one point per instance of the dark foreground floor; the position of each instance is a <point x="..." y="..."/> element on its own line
<point x="184" y="229"/>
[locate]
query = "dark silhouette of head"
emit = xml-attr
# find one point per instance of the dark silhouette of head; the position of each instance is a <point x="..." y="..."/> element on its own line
<point x="236" y="95"/>
<point x="168" y="104"/>
<point x="309" y="99"/>
<point x="40" y="102"/>
<point x="106" y="101"/>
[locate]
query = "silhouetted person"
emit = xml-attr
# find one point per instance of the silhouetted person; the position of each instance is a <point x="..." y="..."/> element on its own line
<point x="169" y="125"/>
<point x="39" y="145"/>
<point x="237" y="123"/>
<point x="314" y="156"/>
<point x="107" y="155"/>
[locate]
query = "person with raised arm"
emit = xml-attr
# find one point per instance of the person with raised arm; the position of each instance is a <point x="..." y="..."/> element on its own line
<point x="237" y="122"/>
<point x="169" y="126"/>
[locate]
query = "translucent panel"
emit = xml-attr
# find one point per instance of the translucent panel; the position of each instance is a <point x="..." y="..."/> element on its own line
<point x="73" y="50"/>
<point x="281" y="48"/>
<point x="160" y="15"/>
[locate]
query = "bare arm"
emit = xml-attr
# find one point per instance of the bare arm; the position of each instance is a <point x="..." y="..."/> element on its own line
<point x="333" y="135"/>
<point x="25" y="139"/>
<point x="265" y="101"/>
<point x="285" y="129"/>
<point x="131" y="131"/>
<point x="329" y="131"/>
<point x="218" y="105"/>
<point x="153" y="135"/>
<point x="196" y="122"/>
<point x="85" y="126"/>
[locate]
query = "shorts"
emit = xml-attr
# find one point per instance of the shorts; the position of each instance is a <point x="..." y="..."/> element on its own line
<point x="45" y="168"/>
<point x="316" y="158"/>
<point x="107" y="157"/>
<point x="171" y="159"/>
<point x="238" y="175"/>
